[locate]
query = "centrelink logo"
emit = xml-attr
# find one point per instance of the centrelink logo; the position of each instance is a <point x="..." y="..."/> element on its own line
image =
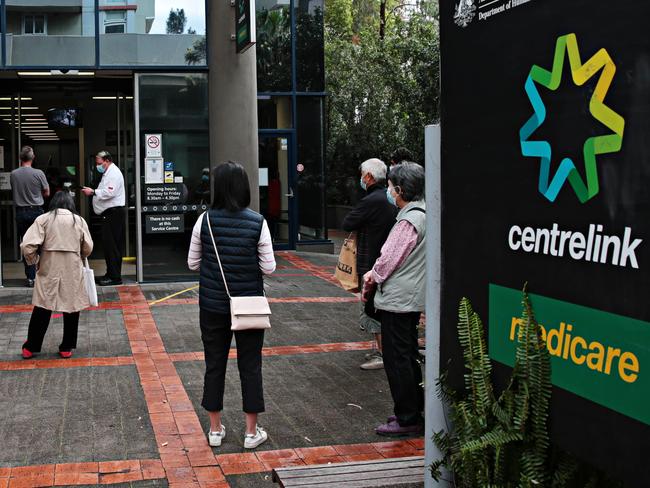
<point x="550" y="186"/>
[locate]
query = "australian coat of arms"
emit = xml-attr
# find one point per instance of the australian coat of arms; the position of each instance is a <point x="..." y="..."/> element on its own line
<point x="465" y="11"/>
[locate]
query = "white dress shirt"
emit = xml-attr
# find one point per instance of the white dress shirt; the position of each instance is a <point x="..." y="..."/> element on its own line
<point x="266" y="258"/>
<point x="110" y="192"/>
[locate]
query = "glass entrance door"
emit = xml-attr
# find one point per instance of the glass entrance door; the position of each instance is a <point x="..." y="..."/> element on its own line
<point x="277" y="188"/>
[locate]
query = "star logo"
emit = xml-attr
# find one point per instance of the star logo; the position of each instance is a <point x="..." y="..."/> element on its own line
<point x="609" y="143"/>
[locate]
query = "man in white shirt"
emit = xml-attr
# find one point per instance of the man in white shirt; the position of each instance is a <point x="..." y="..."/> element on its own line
<point x="108" y="202"/>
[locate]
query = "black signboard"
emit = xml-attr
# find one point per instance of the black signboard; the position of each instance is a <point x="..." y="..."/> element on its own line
<point x="164" y="224"/>
<point x="244" y="24"/>
<point x="545" y="122"/>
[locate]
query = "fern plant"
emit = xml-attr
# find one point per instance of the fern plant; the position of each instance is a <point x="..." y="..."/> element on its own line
<point x="499" y="441"/>
<point x="502" y="441"/>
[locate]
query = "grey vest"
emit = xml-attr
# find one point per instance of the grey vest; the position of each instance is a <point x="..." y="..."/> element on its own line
<point x="404" y="290"/>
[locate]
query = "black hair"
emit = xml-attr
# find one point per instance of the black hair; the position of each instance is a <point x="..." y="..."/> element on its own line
<point x="409" y="177"/>
<point x="62" y="200"/>
<point x="401" y="154"/>
<point x="231" y="189"/>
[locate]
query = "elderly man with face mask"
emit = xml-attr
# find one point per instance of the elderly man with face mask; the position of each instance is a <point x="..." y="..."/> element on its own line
<point x="372" y="219"/>
<point x="108" y="202"/>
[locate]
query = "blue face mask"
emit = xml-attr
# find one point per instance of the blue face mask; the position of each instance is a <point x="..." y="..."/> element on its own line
<point x="363" y="184"/>
<point x="100" y="169"/>
<point x="390" y="197"/>
<point x="205" y="178"/>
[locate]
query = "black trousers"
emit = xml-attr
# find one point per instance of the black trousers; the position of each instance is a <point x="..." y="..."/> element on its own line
<point x="217" y="337"/>
<point x="39" y="323"/>
<point x="113" y="226"/>
<point x="399" y="336"/>
<point x="25" y="217"/>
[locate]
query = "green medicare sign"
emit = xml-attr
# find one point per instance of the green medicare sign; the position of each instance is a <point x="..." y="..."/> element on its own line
<point x="598" y="355"/>
<point x="244" y="24"/>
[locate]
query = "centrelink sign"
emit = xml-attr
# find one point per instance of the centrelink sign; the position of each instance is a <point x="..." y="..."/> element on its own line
<point x="546" y="181"/>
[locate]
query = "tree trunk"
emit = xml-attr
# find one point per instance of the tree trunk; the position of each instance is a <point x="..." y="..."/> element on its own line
<point x="382" y="19"/>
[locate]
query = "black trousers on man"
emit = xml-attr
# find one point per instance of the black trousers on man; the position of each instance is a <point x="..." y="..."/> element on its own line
<point x="39" y="323"/>
<point x="25" y="217"/>
<point x="399" y="335"/>
<point x="113" y="227"/>
<point x="217" y="337"/>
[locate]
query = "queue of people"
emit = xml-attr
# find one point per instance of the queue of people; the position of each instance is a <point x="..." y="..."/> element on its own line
<point x="231" y="247"/>
<point x="391" y="238"/>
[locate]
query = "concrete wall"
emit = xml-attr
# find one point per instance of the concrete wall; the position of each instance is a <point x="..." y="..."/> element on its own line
<point x="233" y="97"/>
<point x="50" y="50"/>
<point x="64" y="24"/>
<point x="116" y="49"/>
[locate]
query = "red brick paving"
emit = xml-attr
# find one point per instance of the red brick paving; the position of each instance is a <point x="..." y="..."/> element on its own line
<point x="185" y="458"/>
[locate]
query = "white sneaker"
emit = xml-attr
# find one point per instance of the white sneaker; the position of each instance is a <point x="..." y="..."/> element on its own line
<point x="251" y="441"/>
<point x="215" y="438"/>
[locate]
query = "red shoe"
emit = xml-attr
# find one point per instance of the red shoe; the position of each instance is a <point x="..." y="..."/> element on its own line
<point x="27" y="354"/>
<point x="65" y="354"/>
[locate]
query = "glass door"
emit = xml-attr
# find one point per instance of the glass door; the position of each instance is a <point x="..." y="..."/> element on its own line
<point x="277" y="188"/>
<point x="10" y="125"/>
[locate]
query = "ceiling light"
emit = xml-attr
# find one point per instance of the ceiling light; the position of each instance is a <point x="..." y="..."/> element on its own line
<point x="111" y="98"/>
<point x="8" y="99"/>
<point x="34" y="73"/>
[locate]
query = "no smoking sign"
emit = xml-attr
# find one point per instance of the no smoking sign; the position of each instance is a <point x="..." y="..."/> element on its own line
<point x="153" y="144"/>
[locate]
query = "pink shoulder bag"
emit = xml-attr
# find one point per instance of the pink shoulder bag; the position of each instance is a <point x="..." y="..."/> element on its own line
<point x="245" y="312"/>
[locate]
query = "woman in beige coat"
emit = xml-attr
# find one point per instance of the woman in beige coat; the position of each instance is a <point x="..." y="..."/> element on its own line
<point x="57" y="243"/>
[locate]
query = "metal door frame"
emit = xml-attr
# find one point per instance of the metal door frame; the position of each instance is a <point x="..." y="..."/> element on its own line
<point x="290" y="135"/>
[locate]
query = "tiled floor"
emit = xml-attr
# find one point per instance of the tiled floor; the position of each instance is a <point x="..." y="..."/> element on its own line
<point x="125" y="411"/>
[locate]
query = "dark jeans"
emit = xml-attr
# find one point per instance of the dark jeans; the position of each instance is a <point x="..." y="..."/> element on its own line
<point x="217" y="337"/>
<point x="399" y="336"/>
<point x="113" y="226"/>
<point x="39" y="323"/>
<point x="25" y="217"/>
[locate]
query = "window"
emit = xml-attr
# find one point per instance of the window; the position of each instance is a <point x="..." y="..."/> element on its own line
<point x="35" y="24"/>
<point x="114" y="29"/>
<point x="115" y="22"/>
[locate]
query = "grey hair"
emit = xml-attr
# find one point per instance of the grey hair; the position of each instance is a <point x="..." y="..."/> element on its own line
<point x="26" y="154"/>
<point x="105" y="155"/>
<point x="375" y="167"/>
<point x="409" y="177"/>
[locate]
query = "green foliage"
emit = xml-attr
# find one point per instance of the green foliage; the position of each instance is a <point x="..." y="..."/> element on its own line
<point x="274" y="50"/>
<point x="381" y="92"/>
<point x="502" y="441"/>
<point x="176" y="21"/>
<point x="196" y="53"/>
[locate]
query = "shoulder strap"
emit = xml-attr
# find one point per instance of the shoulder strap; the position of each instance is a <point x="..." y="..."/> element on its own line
<point x="417" y="209"/>
<point x="206" y="216"/>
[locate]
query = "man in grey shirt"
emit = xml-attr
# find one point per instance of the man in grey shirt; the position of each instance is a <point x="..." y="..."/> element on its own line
<point x="29" y="186"/>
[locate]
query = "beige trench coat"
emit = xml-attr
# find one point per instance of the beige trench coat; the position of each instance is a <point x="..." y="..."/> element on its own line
<point x="64" y="242"/>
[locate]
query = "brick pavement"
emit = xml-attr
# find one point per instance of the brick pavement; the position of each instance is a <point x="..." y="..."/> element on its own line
<point x="125" y="411"/>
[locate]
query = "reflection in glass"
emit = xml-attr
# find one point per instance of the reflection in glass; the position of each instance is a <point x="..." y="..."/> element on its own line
<point x="274" y="186"/>
<point x="310" y="182"/>
<point x="175" y="106"/>
<point x="273" y="46"/>
<point x="152" y="33"/>
<point x="273" y="112"/>
<point x="310" y="55"/>
<point x="52" y="33"/>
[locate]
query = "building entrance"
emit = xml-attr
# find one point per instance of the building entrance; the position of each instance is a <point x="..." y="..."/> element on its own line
<point x="66" y="122"/>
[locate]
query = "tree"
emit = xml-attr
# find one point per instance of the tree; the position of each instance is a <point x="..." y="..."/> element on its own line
<point x="176" y="21"/>
<point x="196" y="53"/>
<point x="381" y="92"/>
<point x="191" y="31"/>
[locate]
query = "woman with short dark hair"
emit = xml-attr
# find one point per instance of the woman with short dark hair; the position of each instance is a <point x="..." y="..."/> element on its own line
<point x="64" y="242"/>
<point x="400" y="277"/>
<point x="244" y="244"/>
